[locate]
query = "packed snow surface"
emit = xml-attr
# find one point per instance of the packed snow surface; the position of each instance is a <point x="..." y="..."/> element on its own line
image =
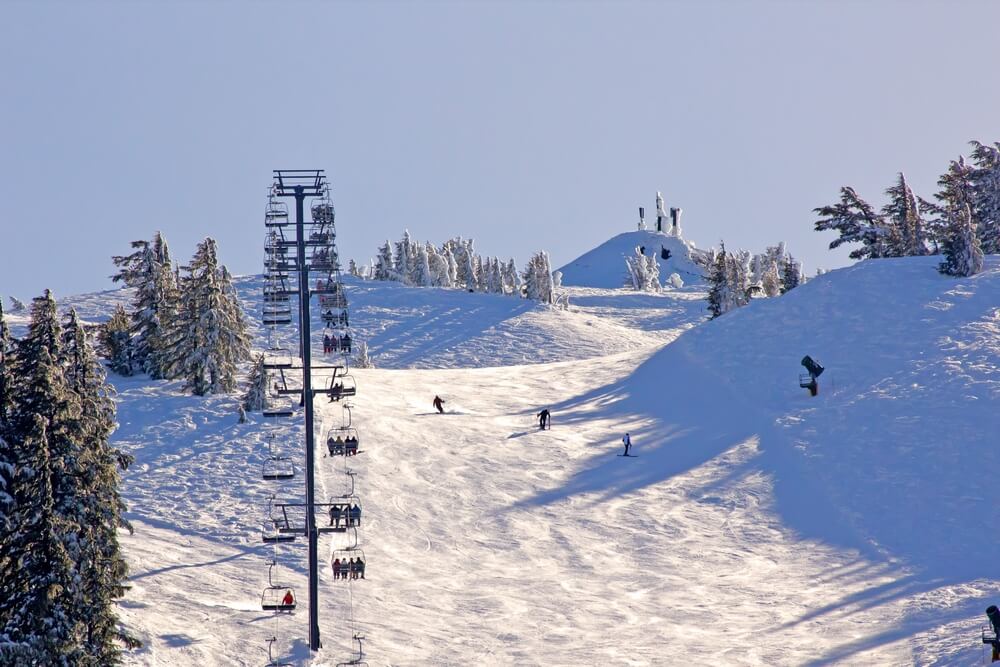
<point x="757" y="526"/>
<point x="604" y="266"/>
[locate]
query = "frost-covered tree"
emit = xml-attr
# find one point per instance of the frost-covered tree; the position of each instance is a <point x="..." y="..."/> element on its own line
<point x="718" y="291"/>
<point x="963" y="255"/>
<point x="39" y="609"/>
<point x="643" y="272"/>
<point x="352" y="268"/>
<point x="791" y="277"/>
<point x="116" y="343"/>
<point x="16" y="305"/>
<point x="771" y="280"/>
<point x="902" y="214"/>
<point x="856" y="222"/>
<point x="383" y="263"/>
<point x="538" y="279"/>
<point x="449" y="258"/>
<point x="438" y="266"/>
<point x="362" y="358"/>
<point x="512" y="278"/>
<point x="209" y="338"/>
<point x="6" y="370"/>
<point x="403" y="260"/>
<point x="422" y="276"/>
<point x="90" y="498"/>
<point x="255" y="398"/>
<point x="986" y="181"/>
<point x="729" y="282"/>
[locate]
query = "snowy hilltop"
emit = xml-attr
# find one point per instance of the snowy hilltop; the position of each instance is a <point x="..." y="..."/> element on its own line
<point x="605" y="267"/>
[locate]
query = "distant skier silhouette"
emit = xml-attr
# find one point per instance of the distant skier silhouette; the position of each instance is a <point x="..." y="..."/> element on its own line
<point x="994" y="615"/>
<point x="439" y="404"/>
<point x="627" y="441"/>
<point x="544" y="419"/>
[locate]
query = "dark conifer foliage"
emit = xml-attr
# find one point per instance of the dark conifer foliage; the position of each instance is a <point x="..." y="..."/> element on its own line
<point x="116" y="343"/>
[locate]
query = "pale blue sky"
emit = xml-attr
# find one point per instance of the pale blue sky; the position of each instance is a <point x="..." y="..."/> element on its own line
<point x="525" y="125"/>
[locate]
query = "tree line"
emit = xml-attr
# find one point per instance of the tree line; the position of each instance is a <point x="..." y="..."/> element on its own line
<point x="185" y="322"/>
<point x="61" y="567"/>
<point x="735" y="278"/>
<point x="962" y="222"/>
<point x="456" y="264"/>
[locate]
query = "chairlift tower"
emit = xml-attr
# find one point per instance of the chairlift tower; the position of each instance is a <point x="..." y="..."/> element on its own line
<point x="299" y="184"/>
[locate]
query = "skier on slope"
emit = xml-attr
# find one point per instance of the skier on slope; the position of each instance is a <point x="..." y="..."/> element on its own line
<point x="544" y="419"/>
<point x="439" y="404"/>
<point x="627" y="441"/>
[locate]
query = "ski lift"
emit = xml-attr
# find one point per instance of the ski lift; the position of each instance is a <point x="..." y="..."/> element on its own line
<point x="271" y="660"/>
<point x="343" y="441"/>
<point x="359" y="659"/>
<point x="278" y="357"/>
<point x="322" y="211"/>
<point x="276" y="213"/>
<point x="274" y="597"/>
<point x="330" y="301"/>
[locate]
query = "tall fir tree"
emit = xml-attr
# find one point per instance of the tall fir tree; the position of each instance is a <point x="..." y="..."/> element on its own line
<point x="255" y="398"/>
<point x="115" y="342"/>
<point x="383" y="264"/>
<point x="856" y="222"/>
<point x="963" y="255"/>
<point x="902" y="214"/>
<point x="986" y="209"/>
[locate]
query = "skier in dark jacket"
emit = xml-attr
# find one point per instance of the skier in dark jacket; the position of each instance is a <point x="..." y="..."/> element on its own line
<point x="439" y="404"/>
<point x="544" y="419"/>
<point x="627" y="441"/>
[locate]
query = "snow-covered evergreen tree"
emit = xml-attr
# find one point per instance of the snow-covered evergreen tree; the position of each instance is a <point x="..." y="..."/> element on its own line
<point x="422" y="276"/>
<point x="538" y="279"/>
<point x="255" y="398"/>
<point x="209" y="338"/>
<point x="92" y="500"/>
<point x="40" y="619"/>
<point x="856" y="222"/>
<point x="16" y="305"/>
<point x="352" y="268"/>
<point x="6" y="371"/>
<point x="362" y="359"/>
<point x="791" y="277"/>
<point x="986" y="181"/>
<point x="513" y="278"/>
<point x="438" y="266"/>
<point x="718" y="291"/>
<point x="449" y="257"/>
<point x="771" y="280"/>
<point x="903" y="215"/>
<point x="402" y="262"/>
<point x="643" y="272"/>
<point x="963" y="255"/>
<point x="383" y="263"/>
<point x="116" y="343"/>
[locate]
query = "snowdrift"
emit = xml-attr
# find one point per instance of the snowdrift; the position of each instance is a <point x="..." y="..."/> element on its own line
<point x="604" y="266"/>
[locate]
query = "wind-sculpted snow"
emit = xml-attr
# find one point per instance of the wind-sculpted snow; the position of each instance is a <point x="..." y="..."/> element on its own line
<point x="758" y="526"/>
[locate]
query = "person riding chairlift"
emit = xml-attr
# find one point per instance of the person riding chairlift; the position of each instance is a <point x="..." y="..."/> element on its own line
<point x="288" y="600"/>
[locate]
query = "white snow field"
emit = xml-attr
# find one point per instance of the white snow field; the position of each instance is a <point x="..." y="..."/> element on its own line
<point x="758" y="526"/>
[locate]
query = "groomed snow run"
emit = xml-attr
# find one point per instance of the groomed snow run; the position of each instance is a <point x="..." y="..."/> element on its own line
<point x="758" y="526"/>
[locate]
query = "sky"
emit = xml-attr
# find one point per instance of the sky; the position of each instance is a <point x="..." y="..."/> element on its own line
<point x="524" y="125"/>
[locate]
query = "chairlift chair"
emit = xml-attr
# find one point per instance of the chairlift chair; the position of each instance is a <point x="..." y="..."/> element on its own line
<point x="359" y="659"/>
<point x="345" y="556"/>
<point x="274" y="597"/>
<point x="343" y="513"/>
<point x="341" y="386"/>
<point x="343" y="441"/>
<point x="271" y="660"/>
<point x="277" y="467"/>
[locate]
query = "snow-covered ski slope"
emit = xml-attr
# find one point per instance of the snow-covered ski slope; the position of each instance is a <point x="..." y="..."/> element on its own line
<point x="758" y="526"/>
<point x="604" y="266"/>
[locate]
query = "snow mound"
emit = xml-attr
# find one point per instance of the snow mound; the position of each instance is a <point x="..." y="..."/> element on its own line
<point x="604" y="266"/>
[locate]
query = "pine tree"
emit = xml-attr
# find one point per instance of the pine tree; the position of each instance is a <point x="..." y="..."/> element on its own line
<point x="16" y="305"/>
<point x="771" y="280"/>
<point x="718" y="285"/>
<point x="856" y="222"/>
<point x="115" y="342"/>
<point x="903" y="214"/>
<point x="383" y="264"/>
<point x="421" y="268"/>
<point x="449" y="258"/>
<point x="403" y="259"/>
<point x="962" y="251"/>
<point x="41" y="591"/>
<point x="92" y="501"/>
<point x="352" y="268"/>
<point x="438" y="266"/>
<point x="513" y="278"/>
<point x="209" y="338"/>
<point x="361" y="357"/>
<point x="986" y="181"/>
<point x="791" y="277"/>
<point x="255" y="398"/>
<point x="6" y="372"/>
